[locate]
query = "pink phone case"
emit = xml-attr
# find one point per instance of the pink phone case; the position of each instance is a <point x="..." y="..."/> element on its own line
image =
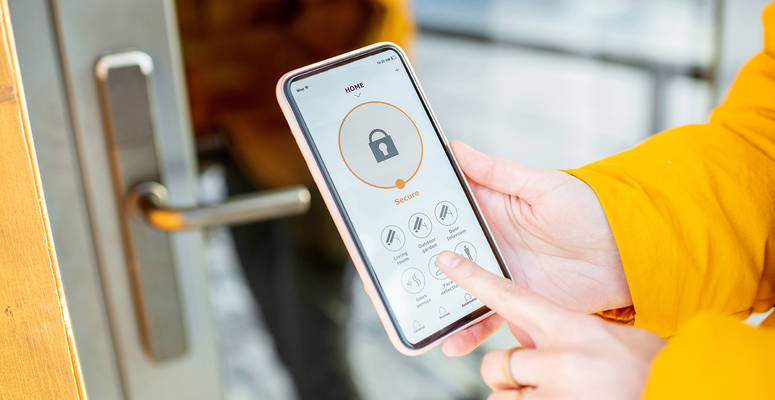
<point x="360" y="266"/>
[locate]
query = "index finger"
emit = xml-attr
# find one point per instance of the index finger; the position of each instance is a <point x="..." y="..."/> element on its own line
<point x="536" y="315"/>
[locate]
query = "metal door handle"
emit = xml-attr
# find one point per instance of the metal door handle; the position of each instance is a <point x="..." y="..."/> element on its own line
<point x="137" y="152"/>
<point x="148" y="201"/>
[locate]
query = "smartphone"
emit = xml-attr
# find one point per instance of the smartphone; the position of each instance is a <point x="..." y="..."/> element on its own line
<point x="393" y="188"/>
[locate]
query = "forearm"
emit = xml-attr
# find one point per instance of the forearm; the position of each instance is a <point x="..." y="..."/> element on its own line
<point x="693" y="209"/>
<point x="714" y="357"/>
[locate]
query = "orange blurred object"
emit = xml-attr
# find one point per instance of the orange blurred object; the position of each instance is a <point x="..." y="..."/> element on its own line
<point x="234" y="52"/>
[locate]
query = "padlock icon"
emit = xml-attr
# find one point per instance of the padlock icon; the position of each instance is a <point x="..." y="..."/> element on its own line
<point x="383" y="147"/>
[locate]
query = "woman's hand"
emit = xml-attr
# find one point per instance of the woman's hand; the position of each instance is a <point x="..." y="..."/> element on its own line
<point x="572" y="355"/>
<point x="553" y="234"/>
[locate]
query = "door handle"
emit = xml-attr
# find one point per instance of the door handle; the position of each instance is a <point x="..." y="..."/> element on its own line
<point x="138" y="149"/>
<point x="148" y="202"/>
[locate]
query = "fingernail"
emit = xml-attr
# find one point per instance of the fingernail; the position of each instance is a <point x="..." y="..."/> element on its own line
<point x="449" y="260"/>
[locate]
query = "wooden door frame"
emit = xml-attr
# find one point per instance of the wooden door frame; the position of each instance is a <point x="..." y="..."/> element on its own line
<point x="38" y="356"/>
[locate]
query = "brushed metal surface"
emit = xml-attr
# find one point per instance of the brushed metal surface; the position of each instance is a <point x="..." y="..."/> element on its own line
<point x="148" y="203"/>
<point x="87" y="30"/>
<point x="128" y="112"/>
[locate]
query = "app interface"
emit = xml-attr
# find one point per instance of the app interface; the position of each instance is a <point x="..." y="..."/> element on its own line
<point x="398" y="187"/>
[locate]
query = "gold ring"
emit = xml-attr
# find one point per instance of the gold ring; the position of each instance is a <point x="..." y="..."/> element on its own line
<point x="506" y="366"/>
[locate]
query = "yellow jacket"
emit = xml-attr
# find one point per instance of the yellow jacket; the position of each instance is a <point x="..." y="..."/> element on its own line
<point x="693" y="213"/>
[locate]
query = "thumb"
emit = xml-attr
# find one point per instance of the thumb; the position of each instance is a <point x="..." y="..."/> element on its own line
<point x="539" y="317"/>
<point x="501" y="175"/>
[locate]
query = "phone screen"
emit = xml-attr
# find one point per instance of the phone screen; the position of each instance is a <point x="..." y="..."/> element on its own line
<point x="396" y="186"/>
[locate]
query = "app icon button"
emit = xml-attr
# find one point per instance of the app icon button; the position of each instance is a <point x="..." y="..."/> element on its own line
<point x="420" y="225"/>
<point x="392" y="238"/>
<point x="417" y="326"/>
<point x="413" y="280"/>
<point x="383" y="147"/>
<point x="434" y="270"/>
<point x="446" y="213"/>
<point x="466" y="250"/>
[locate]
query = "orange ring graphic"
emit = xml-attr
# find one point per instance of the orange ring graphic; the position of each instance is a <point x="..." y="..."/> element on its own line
<point x="399" y="182"/>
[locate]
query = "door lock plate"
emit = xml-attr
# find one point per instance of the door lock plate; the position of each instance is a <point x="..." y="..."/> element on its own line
<point x="127" y="105"/>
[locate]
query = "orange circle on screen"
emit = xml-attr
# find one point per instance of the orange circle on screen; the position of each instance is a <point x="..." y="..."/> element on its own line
<point x="399" y="182"/>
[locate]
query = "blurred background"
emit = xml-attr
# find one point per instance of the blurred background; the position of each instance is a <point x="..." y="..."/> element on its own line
<point x="273" y="309"/>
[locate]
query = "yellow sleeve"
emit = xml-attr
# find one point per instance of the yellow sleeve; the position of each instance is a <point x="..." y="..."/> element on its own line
<point x="714" y="357"/>
<point x="693" y="209"/>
